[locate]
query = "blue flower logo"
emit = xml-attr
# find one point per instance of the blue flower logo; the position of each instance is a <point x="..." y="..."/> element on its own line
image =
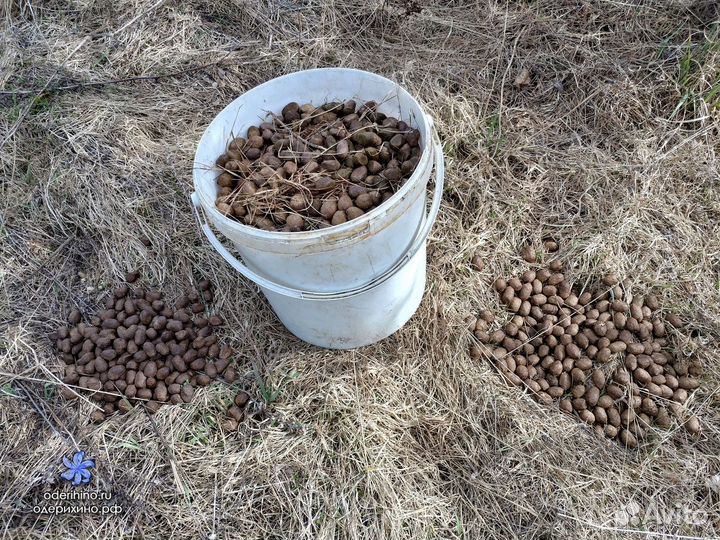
<point x="78" y="470"/>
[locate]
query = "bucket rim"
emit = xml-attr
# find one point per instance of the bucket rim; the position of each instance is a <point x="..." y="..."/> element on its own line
<point x="344" y="230"/>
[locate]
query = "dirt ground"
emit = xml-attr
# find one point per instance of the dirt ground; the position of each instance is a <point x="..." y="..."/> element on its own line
<point x="610" y="146"/>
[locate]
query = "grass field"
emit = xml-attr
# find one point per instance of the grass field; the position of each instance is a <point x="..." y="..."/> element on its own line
<point x="610" y="146"/>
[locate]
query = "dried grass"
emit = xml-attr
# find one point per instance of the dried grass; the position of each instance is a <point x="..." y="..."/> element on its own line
<point x="611" y="149"/>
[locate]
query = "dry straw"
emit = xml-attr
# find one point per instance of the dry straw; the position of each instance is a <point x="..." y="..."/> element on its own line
<point x="610" y="146"/>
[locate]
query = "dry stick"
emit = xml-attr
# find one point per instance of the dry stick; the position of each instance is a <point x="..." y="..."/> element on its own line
<point x="173" y="464"/>
<point x="38" y="409"/>
<point x="138" y="16"/>
<point x="44" y="88"/>
<point x="324" y="149"/>
<point x="507" y="70"/>
<point x="214" y="518"/>
<point x="21" y="376"/>
<point x="102" y="83"/>
<point x="21" y="247"/>
<point x="543" y="332"/>
<point x="643" y="391"/>
<point x="25" y="112"/>
<point x="58" y="420"/>
<point x="708" y="399"/>
<point x="291" y="134"/>
<point x="14" y="376"/>
<point x="299" y="124"/>
<point x="634" y="531"/>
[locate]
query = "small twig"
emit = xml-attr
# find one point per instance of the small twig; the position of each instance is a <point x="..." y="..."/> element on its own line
<point x="645" y="533"/>
<point x="15" y="376"/>
<point x="173" y="464"/>
<point x="40" y="410"/>
<point x="138" y="16"/>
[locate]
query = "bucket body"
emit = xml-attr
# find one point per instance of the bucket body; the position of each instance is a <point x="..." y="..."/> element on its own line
<point x="365" y="318"/>
<point x="347" y="285"/>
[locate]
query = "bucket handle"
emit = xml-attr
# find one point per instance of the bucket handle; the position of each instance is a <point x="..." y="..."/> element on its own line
<point x="265" y="283"/>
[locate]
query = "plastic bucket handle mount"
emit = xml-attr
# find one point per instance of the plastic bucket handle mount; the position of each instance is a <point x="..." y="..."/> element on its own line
<point x="418" y="241"/>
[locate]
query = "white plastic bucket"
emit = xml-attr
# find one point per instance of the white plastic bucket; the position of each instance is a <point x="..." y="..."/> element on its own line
<point x="351" y="284"/>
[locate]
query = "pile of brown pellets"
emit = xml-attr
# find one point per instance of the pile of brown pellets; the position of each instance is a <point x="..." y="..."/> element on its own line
<point x="314" y="167"/>
<point x="143" y="349"/>
<point x="602" y="354"/>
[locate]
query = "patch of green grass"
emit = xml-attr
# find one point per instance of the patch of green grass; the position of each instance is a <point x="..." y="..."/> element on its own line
<point x="298" y="480"/>
<point x="493" y="126"/>
<point x="41" y="104"/>
<point x="28" y="176"/>
<point x="459" y="528"/>
<point x="131" y="444"/>
<point x="493" y="133"/>
<point x="13" y="113"/>
<point x="103" y="59"/>
<point x="8" y="390"/>
<point x="226" y="399"/>
<point x="204" y="426"/>
<point x="712" y="97"/>
<point x="698" y="65"/>
<point x="200" y="437"/>
<point x="271" y="394"/>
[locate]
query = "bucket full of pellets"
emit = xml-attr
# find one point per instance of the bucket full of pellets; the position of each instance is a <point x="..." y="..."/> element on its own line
<point x="318" y="179"/>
